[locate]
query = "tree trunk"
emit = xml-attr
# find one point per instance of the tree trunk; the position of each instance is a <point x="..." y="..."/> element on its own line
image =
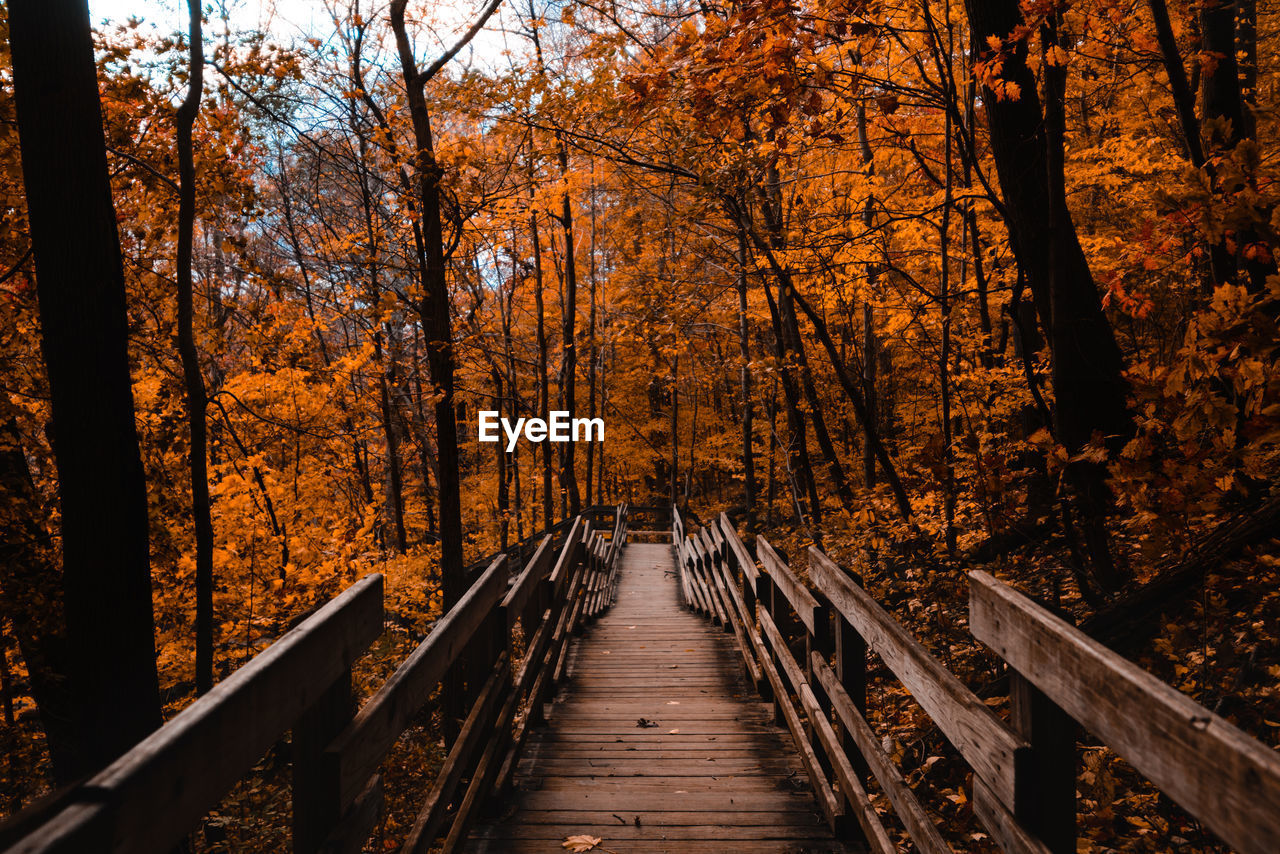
<point x="84" y="333"/>
<point x="1184" y="99"/>
<point x="870" y="353"/>
<point x="593" y="353"/>
<point x="944" y="356"/>
<point x="1223" y="107"/>
<point x="744" y="380"/>
<point x="197" y="397"/>
<point x="544" y="390"/>
<point x="1087" y="365"/>
<point x="33" y="604"/>
<point x="504" y="494"/>
<point x="394" y="491"/>
<point x="798" y="463"/>
<point x="435" y="315"/>
<point x="569" y="356"/>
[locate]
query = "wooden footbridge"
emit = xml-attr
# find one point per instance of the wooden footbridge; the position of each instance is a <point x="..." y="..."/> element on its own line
<point x="661" y="689"/>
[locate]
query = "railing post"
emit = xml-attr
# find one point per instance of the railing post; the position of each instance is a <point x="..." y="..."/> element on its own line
<point x="1045" y="778"/>
<point x="774" y="603"/>
<point x="819" y="640"/>
<point x="851" y="670"/>
<point x="316" y="810"/>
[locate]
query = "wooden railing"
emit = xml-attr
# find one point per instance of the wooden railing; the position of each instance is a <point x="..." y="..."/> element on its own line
<point x="507" y="639"/>
<point x="806" y="648"/>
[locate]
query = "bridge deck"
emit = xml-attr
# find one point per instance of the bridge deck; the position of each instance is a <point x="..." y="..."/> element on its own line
<point x="656" y="743"/>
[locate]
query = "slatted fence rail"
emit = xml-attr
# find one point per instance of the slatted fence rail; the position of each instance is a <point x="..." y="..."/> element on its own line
<point x="508" y="635"/>
<point x="803" y="646"/>
<point x="806" y="649"/>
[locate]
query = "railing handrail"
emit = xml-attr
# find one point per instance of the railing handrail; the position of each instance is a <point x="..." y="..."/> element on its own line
<point x="194" y="759"/>
<point x="1226" y="779"/>
<point x="1024" y="769"/>
<point x="149" y="799"/>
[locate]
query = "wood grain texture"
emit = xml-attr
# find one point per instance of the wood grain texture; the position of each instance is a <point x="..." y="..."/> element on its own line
<point x="739" y="551"/>
<point x="188" y="764"/>
<point x="986" y="742"/>
<point x="919" y="825"/>
<point x="802" y="601"/>
<point x="534" y="571"/>
<point x="1001" y="824"/>
<point x="1216" y="772"/>
<point x="714" y="768"/>
<point x="355" y="755"/>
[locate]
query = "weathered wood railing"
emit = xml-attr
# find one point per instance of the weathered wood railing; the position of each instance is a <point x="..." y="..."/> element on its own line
<point x="508" y="635"/>
<point x="806" y="648"/>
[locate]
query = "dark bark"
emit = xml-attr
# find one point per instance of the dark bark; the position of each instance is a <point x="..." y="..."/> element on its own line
<point x="569" y="343"/>
<point x="870" y="355"/>
<point x="771" y="207"/>
<point x="1184" y="99"/>
<point x="744" y="381"/>
<point x="593" y="352"/>
<point x="1088" y="479"/>
<point x="32" y="602"/>
<point x="193" y="375"/>
<point x="1223" y="107"/>
<point x="1088" y="383"/>
<point x="504" y="494"/>
<point x="1087" y="363"/>
<point x="544" y="390"/>
<point x="799" y="466"/>
<point x="944" y="355"/>
<point x="823" y="436"/>
<point x="84" y="333"/>
<point x="675" y="432"/>
<point x="434" y="314"/>
<point x="394" y="485"/>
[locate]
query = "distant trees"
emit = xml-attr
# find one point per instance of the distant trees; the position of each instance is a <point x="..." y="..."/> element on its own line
<point x="927" y="283"/>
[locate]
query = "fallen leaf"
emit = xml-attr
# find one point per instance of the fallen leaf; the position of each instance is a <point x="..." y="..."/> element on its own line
<point x="580" y="843"/>
<point x="672" y="731"/>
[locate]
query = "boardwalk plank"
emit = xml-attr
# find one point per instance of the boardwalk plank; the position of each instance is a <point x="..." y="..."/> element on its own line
<point x="714" y="768"/>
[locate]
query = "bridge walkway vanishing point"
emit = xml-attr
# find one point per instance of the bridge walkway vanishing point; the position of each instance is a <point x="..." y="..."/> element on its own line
<point x="656" y="743"/>
<point x="667" y="671"/>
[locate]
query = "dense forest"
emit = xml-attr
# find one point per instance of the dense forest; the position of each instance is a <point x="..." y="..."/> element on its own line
<point x="936" y="285"/>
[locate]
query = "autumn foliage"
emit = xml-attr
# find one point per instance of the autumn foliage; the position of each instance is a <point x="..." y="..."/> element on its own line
<point x="805" y="218"/>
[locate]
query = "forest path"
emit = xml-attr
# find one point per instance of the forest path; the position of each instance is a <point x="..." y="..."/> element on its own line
<point x="656" y="743"/>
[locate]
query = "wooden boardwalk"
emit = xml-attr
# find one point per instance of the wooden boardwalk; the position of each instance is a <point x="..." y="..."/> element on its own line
<point x="657" y="743"/>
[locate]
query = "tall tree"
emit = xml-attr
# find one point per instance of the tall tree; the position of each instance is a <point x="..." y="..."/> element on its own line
<point x="1026" y="144"/>
<point x="193" y="374"/>
<point x="434" y="309"/>
<point x="84" y="335"/>
<point x="569" y="338"/>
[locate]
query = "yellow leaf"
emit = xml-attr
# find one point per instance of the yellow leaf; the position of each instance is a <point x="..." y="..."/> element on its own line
<point x="581" y="842"/>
